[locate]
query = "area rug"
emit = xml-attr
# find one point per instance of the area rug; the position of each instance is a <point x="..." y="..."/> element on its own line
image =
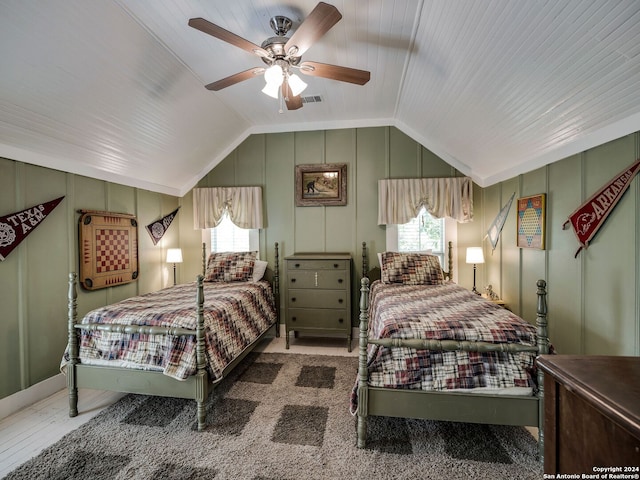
<point x="279" y="417"/>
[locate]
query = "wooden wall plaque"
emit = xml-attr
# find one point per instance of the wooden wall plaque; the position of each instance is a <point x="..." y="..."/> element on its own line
<point x="108" y="249"/>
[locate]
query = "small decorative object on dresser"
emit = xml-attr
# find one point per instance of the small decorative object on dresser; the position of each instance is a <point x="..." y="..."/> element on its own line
<point x="318" y="294"/>
<point x="489" y="294"/>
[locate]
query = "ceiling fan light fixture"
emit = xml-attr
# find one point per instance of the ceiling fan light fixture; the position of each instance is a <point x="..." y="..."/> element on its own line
<point x="297" y="85"/>
<point x="271" y="89"/>
<point x="274" y="75"/>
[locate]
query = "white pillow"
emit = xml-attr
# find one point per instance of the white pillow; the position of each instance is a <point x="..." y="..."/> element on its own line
<point x="259" y="267"/>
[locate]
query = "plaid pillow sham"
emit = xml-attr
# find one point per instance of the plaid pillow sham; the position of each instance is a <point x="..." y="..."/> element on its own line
<point x="230" y="267"/>
<point x="411" y="269"/>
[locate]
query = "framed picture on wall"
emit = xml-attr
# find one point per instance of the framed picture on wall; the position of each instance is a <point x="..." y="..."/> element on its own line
<point x="321" y="184"/>
<point x="531" y="221"/>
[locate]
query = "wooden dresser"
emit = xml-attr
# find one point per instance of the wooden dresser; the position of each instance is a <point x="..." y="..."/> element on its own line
<point x="318" y="294"/>
<point x="591" y="414"/>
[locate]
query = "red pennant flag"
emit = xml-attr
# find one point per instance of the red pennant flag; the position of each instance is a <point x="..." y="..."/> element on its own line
<point x="16" y="226"/>
<point x="592" y="214"/>
<point x="158" y="228"/>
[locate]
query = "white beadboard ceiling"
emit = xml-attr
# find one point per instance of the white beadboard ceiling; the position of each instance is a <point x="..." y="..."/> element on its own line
<point x="114" y="89"/>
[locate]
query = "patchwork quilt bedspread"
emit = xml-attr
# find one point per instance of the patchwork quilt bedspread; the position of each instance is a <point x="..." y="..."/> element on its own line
<point x="235" y="314"/>
<point x="444" y="312"/>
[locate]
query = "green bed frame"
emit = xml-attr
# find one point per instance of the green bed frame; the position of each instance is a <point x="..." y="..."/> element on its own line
<point x="146" y="382"/>
<point x="448" y="406"/>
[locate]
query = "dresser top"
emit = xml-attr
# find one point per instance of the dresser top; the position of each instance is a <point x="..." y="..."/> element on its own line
<point x="610" y="383"/>
<point x="319" y="256"/>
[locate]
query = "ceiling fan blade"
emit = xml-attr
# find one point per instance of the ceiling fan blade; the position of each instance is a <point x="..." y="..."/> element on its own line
<point x="293" y="103"/>
<point x="236" y="78"/>
<point x="334" y="72"/>
<point x="226" y="36"/>
<point x="319" y="21"/>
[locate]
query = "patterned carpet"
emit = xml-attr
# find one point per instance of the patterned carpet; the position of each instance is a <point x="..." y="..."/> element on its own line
<point x="279" y="417"/>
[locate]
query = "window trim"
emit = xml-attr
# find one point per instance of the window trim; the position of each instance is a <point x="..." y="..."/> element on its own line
<point x="254" y="239"/>
<point x="450" y="235"/>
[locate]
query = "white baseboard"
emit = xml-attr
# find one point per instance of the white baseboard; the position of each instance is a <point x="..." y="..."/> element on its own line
<point x="25" y="398"/>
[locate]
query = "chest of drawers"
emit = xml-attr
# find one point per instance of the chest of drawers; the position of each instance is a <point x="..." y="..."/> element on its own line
<point x="591" y="414"/>
<point x="318" y="298"/>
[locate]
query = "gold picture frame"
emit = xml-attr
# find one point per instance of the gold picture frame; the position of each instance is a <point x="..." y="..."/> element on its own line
<point x="531" y="221"/>
<point x="321" y="184"/>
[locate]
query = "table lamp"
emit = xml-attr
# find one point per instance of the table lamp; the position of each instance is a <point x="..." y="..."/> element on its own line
<point x="174" y="255"/>
<point x="475" y="256"/>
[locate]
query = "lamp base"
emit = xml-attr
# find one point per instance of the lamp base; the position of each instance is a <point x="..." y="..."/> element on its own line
<point x="474" y="281"/>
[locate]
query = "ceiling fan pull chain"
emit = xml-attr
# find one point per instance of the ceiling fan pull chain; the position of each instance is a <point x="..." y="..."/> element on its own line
<point x="281" y="100"/>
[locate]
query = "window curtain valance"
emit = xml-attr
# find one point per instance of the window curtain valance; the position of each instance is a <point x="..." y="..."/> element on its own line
<point x="243" y="204"/>
<point x="400" y="199"/>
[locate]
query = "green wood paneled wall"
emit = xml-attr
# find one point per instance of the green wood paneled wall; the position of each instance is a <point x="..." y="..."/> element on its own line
<point x="34" y="276"/>
<point x="593" y="300"/>
<point x="269" y="160"/>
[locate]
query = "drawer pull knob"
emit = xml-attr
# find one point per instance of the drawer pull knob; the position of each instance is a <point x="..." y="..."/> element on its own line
<point x="339" y="280"/>
<point x="340" y="320"/>
<point x="297" y="265"/>
<point x="293" y="299"/>
<point x="293" y="319"/>
<point x="340" y="300"/>
<point x="293" y="280"/>
<point x="335" y="265"/>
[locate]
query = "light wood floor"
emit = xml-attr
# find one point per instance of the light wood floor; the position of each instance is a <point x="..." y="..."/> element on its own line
<point x="25" y="434"/>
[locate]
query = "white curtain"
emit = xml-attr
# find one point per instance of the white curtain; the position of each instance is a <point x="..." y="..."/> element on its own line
<point x="243" y="204"/>
<point x="400" y="199"/>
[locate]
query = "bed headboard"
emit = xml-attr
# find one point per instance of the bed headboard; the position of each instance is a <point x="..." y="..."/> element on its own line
<point x="271" y="274"/>
<point x="375" y="273"/>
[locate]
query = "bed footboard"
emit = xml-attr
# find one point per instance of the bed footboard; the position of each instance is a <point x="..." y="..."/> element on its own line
<point x="197" y="386"/>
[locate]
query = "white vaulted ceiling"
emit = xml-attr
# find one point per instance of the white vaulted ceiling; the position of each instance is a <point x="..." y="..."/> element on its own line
<point x="114" y="89"/>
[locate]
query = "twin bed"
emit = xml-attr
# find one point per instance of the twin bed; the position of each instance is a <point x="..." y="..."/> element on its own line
<point x="179" y="341"/>
<point x="428" y="348"/>
<point x="431" y="349"/>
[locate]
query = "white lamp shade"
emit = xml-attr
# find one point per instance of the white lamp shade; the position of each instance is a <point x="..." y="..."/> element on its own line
<point x="297" y="85"/>
<point x="271" y="89"/>
<point x="475" y="255"/>
<point x="274" y="75"/>
<point x="174" y="255"/>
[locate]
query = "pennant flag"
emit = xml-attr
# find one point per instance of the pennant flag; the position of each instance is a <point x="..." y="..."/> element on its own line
<point x="592" y="214"/>
<point x="158" y="228"/>
<point x="496" y="226"/>
<point x="16" y="226"/>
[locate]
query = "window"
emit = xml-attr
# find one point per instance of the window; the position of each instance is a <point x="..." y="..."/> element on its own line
<point x="227" y="237"/>
<point x="423" y="233"/>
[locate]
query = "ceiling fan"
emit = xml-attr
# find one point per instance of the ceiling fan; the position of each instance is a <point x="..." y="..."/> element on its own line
<point x="283" y="55"/>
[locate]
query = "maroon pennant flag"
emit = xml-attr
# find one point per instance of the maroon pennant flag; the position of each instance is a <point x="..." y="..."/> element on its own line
<point x="158" y="228"/>
<point x="592" y="214"/>
<point x="16" y="226"/>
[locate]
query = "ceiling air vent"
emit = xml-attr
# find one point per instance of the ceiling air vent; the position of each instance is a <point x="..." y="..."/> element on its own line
<point x="311" y="99"/>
